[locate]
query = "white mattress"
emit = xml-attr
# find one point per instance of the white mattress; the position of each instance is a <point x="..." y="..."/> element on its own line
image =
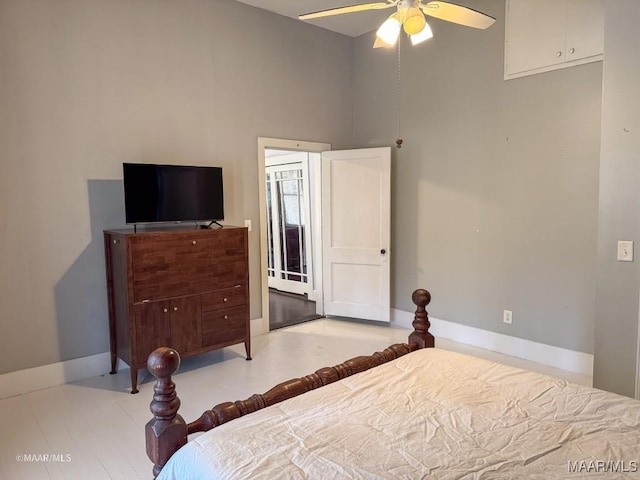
<point x="430" y="413"/>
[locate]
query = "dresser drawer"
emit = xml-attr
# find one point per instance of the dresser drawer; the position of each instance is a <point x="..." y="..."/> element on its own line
<point x="229" y="297"/>
<point x="221" y="326"/>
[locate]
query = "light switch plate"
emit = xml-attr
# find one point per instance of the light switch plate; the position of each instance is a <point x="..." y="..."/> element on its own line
<point x="625" y="251"/>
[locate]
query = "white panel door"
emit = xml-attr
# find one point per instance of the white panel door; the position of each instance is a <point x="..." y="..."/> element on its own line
<point x="356" y="232"/>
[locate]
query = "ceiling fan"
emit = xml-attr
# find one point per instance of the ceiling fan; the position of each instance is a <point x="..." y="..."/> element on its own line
<point x="410" y="16"/>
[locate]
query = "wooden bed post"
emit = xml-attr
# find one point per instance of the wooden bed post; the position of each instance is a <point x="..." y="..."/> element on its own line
<point x="167" y="431"/>
<point x="420" y="335"/>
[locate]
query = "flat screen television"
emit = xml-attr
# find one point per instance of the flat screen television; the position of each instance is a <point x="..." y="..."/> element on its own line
<point x="172" y="193"/>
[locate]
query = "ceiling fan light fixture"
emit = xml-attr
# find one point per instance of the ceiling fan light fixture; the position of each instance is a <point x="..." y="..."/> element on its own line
<point x="379" y="43"/>
<point x="422" y="36"/>
<point x="414" y="21"/>
<point x="410" y="16"/>
<point x="390" y="30"/>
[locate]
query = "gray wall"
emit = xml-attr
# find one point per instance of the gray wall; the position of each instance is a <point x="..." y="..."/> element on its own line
<point x="616" y="328"/>
<point x="496" y="186"/>
<point x="85" y="86"/>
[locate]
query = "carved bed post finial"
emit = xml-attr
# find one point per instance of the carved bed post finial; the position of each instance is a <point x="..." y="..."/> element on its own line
<point x="420" y="335"/>
<point x="167" y="431"/>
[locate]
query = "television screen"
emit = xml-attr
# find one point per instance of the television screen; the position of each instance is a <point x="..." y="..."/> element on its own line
<point x="172" y="193"/>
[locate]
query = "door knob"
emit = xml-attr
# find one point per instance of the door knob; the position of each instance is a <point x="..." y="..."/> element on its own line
<point x="383" y="251"/>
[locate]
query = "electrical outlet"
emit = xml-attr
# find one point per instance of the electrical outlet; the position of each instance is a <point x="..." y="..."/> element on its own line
<point x="247" y="223"/>
<point x="507" y="317"/>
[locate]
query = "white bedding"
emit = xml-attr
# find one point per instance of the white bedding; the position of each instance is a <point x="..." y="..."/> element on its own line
<point x="430" y="413"/>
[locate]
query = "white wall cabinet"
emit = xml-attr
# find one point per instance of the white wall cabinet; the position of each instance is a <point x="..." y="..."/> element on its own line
<point x="543" y="35"/>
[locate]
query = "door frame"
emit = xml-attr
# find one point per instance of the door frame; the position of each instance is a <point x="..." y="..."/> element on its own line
<point x="316" y="187"/>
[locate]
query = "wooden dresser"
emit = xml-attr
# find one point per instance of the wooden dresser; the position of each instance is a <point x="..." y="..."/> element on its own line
<point x="186" y="289"/>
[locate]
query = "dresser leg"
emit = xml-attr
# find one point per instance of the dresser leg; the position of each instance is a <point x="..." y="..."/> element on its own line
<point x="247" y="347"/>
<point x="114" y="362"/>
<point x="134" y="380"/>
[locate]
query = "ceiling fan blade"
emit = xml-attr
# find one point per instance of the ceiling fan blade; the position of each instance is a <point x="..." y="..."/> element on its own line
<point x="349" y="9"/>
<point x="458" y="14"/>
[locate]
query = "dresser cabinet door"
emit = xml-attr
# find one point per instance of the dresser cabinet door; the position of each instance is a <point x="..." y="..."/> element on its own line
<point x="152" y="329"/>
<point x="186" y="335"/>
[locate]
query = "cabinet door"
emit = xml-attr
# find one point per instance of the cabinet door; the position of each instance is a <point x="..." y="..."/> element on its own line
<point x="186" y="333"/>
<point x="543" y="35"/>
<point x="535" y="34"/>
<point x="585" y="29"/>
<point x="152" y="329"/>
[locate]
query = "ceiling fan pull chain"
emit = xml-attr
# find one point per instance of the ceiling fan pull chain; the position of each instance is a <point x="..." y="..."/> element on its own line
<point x="399" y="97"/>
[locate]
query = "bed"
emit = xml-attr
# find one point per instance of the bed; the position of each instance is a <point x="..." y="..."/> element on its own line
<point x="410" y="411"/>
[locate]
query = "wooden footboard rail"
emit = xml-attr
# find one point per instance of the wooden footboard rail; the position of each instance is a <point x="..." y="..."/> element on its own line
<point x="168" y="431"/>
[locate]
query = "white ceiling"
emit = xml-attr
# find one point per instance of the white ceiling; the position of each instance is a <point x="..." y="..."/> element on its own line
<point x="351" y="24"/>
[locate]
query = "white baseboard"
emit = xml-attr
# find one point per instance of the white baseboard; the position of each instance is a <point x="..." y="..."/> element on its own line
<point x="37" y="378"/>
<point x="557" y="357"/>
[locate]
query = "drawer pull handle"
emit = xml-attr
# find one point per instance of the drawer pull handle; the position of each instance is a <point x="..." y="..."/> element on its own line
<point x="194" y="243"/>
<point x="166" y="310"/>
<point x="116" y="241"/>
<point x="175" y="309"/>
<point x="225" y="299"/>
<point x="226" y="317"/>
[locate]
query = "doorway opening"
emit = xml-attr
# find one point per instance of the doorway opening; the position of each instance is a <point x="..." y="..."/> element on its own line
<point x="290" y="239"/>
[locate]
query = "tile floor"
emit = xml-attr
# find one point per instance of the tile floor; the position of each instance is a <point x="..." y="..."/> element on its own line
<point x="94" y="429"/>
